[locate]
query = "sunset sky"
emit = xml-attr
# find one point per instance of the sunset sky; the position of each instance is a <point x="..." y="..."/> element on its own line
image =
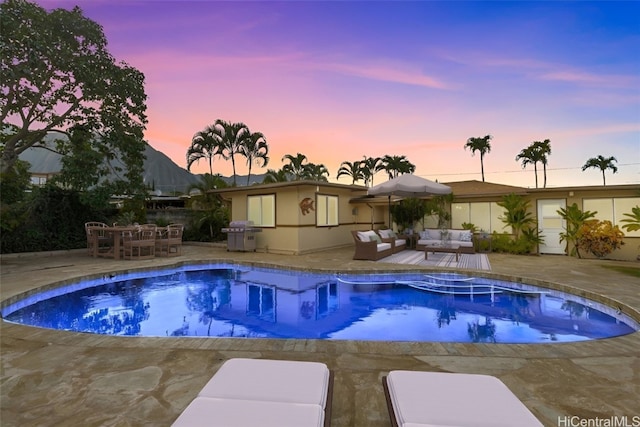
<point x="338" y="81"/>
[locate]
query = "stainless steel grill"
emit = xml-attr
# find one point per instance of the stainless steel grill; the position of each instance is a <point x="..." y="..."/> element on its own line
<point x="241" y="236"/>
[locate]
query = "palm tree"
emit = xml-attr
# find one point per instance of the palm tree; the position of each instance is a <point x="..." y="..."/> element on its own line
<point x="205" y="144"/>
<point x="354" y="170"/>
<point x="545" y="150"/>
<point x="296" y="166"/>
<point x="396" y="165"/>
<point x="255" y="149"/>
<point x="531" y="155"/>
<point x="275" y="176"/>
<point x="479" y="144"/>
<point x="316" y="172"/>
<point x="370" y="165"/>
<point x="233" y="137"/>
<point x="602" y="163"/>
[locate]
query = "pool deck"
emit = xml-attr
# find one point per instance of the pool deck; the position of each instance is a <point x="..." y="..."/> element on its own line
<point x="56" y="378"/>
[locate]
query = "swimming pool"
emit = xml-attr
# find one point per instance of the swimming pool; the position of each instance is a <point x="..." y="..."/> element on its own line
<point x="231" y="300"/>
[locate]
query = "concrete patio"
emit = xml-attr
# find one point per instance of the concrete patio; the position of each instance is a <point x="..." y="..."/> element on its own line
<point x="55" y="378"/>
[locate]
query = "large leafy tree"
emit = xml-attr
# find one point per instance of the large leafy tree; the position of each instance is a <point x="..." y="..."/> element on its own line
<point x="602" y="163"/>
<point x="205" y="144"/>
<point x="255" y="149"/>
<point x="396" y="165"/>
<point x="352" y="169"/>
<point x="481" y="145"/>
<point x="56" y="75"/>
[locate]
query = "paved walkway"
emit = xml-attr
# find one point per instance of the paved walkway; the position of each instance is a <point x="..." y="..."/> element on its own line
<point x="55" y="378"/>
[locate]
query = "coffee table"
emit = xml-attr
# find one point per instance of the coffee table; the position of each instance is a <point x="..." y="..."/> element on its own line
<point x="452" y="249"/>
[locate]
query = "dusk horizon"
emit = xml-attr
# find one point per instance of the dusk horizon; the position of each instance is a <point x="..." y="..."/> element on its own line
<point x="338" y="81"/>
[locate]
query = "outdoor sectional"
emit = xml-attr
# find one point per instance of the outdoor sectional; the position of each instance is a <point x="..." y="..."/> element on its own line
<point x="434" y="237"/>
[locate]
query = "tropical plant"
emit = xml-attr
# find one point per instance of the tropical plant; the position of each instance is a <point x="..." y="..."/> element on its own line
<point x="437" y="205"/>
<point x="396" y="165"/>
<point x="407" y="211"/>
<point x="600" y="238"/>
<point x="296" y="166"/>
<point x="209" y="211"/>
<point x="316" y="172"/>
<point x="482" y="145"/>
<point x="469" y="226"/>
<point x="233" y="137"/>
<point x="516" y="215"/>
<point x="272" y="175"/>
<point x="632" y="223"/>
<point x="255" y="149"/>
<point x="352" y="169"/>
<point x="370" y="165"/>
<point x="574" y="218"/>
<point x="531" y="155"/>
<point x="544" y="149"/>
<point x="602" y="163"/>
<point x="56" y="73"/>
<point x="205" y="144"/>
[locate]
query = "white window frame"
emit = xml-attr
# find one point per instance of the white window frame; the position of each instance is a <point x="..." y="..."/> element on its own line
<point x="265" y="213"/>
<point x="327" y="210"/>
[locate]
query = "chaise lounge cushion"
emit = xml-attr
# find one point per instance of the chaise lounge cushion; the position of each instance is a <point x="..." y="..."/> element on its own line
<point x="207" y="411"/>
<point x="451" y="399"/>
<point x="259" y="392"/>
<point x="279" y="381"/>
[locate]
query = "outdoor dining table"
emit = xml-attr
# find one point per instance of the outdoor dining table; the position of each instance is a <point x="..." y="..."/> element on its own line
<point x="114" y="232"/>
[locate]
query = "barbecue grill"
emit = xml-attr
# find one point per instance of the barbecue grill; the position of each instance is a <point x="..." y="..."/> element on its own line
<point x="241" y="236"/>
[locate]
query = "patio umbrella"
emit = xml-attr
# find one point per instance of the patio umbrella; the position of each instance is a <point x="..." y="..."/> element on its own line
<point x="408" y="185"/>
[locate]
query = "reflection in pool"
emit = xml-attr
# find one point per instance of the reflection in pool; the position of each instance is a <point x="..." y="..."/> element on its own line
<point x="223" y="300"/>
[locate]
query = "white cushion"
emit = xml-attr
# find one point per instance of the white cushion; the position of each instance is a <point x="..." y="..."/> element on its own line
<point x="435" y="398"/>
<point x="401" y="242"/>
<point x="383" y="246"/>
<point x="270" y="380"/>
<point x="365" y="236"/>
<point x="206" y="411"/>
<point x="385" y="234"/>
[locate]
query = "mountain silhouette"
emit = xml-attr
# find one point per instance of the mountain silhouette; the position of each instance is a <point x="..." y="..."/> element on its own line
<point x="161" y="174"/>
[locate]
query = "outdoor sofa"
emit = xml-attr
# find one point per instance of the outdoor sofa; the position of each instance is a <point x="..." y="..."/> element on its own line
<point x="369" y="246"/>
<point x="437" y="237"/>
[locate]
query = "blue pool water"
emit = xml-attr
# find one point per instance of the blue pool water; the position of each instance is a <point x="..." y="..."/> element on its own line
<point x="223" y="300"/>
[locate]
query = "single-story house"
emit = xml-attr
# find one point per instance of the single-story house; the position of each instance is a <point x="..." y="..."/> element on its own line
<point x="300" y="217"/>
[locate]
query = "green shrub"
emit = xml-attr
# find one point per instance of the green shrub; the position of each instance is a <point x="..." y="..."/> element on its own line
<point x="506" y="243"/>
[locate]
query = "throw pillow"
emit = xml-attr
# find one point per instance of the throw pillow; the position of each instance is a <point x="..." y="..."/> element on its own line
<point x="385" y="234"/>
<point x="375" y="238"/>
<point x="465" y="236"/>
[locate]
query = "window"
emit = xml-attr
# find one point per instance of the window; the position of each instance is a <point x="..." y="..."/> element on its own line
<point x="613" y="209"/>
<point x="261" y="301"/>
<point x="484" y="215"/>
<point x="326" y="210"/>
<point x="262" y="210"/>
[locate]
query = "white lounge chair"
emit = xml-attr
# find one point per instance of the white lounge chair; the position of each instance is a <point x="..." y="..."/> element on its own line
<point x="259" y="392"/>
<point x="451" y="399"/>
